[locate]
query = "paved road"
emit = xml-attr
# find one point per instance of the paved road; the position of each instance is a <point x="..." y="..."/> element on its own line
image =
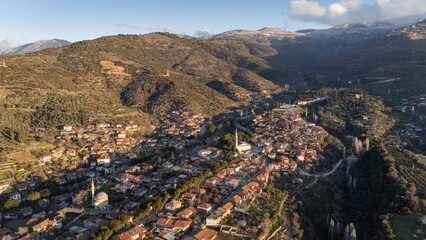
<point x="350" y="158"/>
<point x="24" y="150"/>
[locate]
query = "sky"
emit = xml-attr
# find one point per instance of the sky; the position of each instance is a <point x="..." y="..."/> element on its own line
<point x="24" y="21"/>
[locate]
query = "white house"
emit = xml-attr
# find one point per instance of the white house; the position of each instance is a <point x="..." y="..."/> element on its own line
<point x="103" y="160"/>
<point x="67" y="128"/>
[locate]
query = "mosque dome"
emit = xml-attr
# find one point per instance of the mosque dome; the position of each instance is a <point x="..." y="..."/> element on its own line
<point x="100" y="197"/>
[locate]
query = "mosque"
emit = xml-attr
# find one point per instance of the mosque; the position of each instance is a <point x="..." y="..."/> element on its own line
<point x="241" y="146"/>
<point x="100" y="201"/>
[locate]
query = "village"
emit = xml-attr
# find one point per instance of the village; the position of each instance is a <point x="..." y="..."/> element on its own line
<point x="122" y="184"/>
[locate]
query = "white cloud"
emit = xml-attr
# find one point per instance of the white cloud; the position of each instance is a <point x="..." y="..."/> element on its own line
<point x="401" y="8"/>
<point x="203" y="32"/>
<point x="125" y="25"/>
<point x="344" y="11"/>
<point x="306" y="10"/>
<point x="8" y="43"/>
<point x="337" y="10"/>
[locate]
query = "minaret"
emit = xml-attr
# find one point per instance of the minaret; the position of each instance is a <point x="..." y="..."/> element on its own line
<point x="93" y="193"/>
<point x="236" y="138"/>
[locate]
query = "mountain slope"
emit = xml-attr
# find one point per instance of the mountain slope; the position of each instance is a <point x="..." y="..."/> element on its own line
<point x="124" y="77"/>
<point x="37" y="46"/>
<point x="268" y="36"/>
<point x="307" y="49"/>
<point x="399" y="55"/>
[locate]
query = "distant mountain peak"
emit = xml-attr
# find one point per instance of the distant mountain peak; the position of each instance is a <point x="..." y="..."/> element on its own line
<point x="37" y="46"/>
<point x="263" y="35"/>
<point x="392" y="23"/>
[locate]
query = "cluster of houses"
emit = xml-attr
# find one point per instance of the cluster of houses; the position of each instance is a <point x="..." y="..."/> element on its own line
<point x="183" y="124"/>
<point x="411" y="133"/>
<point x="288" y="141"/>
<point x="106" y="157"/>
<point x="405" y="106"/>
<point x="100" y="140"/>
<point x="106" y="161"/>
<point x="188" y="210"/>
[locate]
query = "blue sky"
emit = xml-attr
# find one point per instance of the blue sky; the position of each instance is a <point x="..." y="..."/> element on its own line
<point x="24" y="21"/>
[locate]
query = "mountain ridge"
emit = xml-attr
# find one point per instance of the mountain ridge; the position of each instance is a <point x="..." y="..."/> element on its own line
<point x="310" y="48"/>
<point x="398" y="55"/>
<point x="37" y="46"/>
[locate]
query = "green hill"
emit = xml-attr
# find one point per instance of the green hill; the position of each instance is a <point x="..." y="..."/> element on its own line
<point x="125" y="77"/>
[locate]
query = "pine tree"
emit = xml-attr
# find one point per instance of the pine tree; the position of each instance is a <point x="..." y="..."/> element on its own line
<point x="367" y="144"/>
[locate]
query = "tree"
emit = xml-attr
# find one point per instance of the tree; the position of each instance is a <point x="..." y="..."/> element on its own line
<point x="45" y="192"/>
<point x="212" y="128"/>
<point x="367" y="144"/>
<point x="34" y="196"/>
<point x="423" y="220"/>
<point x="80" y="197"/>
<point x="12" y="203"/>
<point x="227" y="142"/>
<point x="55" y="182"/>
<point x="357" y="145"/>
<point x="125" y="220"/>
<point x="114" y="225"/>
<point x="105" y="232"/>
<point x="297" y="228"/>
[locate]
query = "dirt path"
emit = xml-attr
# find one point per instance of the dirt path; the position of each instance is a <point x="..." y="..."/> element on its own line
<point x="24" y="150"/>
<point x="289" y="231"/>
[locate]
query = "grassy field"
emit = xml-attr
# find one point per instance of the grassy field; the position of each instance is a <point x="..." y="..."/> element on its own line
<point x="408" y="227"/>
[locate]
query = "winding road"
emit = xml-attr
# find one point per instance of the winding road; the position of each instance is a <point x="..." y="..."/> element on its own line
<point x="350" y="158"/>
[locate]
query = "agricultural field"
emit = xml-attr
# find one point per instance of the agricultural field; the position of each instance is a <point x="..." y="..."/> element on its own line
<point x="408" y="227"/>
<point x="410" y="168"/>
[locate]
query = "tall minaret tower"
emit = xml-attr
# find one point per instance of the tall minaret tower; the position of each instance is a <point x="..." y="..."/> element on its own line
<point x="93" y="193"/>
<point x="236" y="138"/>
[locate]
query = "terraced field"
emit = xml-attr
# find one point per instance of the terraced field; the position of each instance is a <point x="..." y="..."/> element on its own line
<point x="17" y="165"/>
<point x="410" y="168"/>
